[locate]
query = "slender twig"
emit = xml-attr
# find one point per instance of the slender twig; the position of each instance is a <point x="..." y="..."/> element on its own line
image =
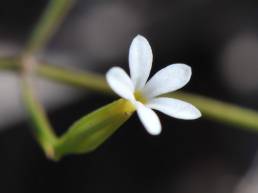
<point x="42" y="130"/>
<point x="48" y="24"/>
<point x="89" y="80"/>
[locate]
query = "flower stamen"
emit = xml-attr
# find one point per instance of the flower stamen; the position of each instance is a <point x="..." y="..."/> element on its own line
<point x="139" y="97"/>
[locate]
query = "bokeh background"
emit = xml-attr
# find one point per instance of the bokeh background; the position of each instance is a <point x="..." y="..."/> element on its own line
<point x="218" y="39"/>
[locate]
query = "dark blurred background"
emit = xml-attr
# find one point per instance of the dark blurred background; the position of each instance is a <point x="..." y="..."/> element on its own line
<point x="218" y="39"/>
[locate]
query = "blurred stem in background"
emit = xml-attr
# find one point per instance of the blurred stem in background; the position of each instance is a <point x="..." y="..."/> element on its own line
<point x="50" y="21"/>
<point x="51" y="144"/>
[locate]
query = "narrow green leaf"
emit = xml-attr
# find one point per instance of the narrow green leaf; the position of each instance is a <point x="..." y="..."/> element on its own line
<point x="89" y="132"/>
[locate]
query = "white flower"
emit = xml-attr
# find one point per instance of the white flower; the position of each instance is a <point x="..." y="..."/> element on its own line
<point x="144" y="95"/>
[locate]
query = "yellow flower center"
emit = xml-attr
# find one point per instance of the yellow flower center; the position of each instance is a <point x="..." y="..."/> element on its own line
<point x="139" y="97"/>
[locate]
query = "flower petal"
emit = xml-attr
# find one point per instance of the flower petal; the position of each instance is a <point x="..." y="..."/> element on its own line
<point x="174" y="108"/>
<point x="120" y="83"/>
<point x="140" y="61"/>
<point x="168" y="79"/>
<point x="149" y="119"/>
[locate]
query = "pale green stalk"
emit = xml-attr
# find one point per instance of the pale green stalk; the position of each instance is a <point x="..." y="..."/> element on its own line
<point x="51" y="19"/>
<point x="42" y="130"/>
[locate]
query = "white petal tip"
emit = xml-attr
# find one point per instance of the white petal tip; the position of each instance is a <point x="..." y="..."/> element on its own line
<point x="193" y="114"/>
<point x="139" y="37"/>
<point x="141" y="42"/>
<point x="155" y="132"/>
<point x="186" y="68"/>
<point x="197" y="115"/>
<point x="140" y="61"/>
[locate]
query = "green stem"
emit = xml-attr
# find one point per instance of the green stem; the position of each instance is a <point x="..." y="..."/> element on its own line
<point x="48" y="24"/>
<point x="9" y="64"/>
<point x="41" y="127"/>
<point x="221" y="111"/>
<point x="89" y="80"/>
<point x="211" y="109"/>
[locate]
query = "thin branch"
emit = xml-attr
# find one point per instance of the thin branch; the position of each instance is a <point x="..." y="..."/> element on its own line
<point x="42" y="130"/>
<point x="51" y="19"/>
